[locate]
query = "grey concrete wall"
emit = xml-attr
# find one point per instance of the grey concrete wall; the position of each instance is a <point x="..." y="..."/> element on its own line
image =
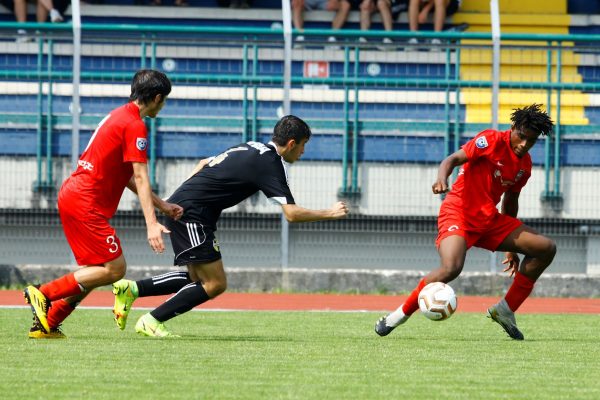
<point x="335" y="280"/>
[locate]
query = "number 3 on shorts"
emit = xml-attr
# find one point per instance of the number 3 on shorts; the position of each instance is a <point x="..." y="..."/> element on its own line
<point x="114" y="246"/>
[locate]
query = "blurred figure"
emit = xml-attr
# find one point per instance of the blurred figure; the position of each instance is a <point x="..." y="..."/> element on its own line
<point x="234" y="3"/>
<point x="419" y="10"/>
<point x="176" y="3"/>
<point x="44" y="9"/>
<point x="389" y="10"/>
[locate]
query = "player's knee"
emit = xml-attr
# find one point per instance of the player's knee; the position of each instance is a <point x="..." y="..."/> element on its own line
<point x="549" y="249"/>
<point x="450" y="271"/>
<point x="215" y="288"/>
<point x="115" y="271"/>
<point x="345" y="6"/>
<point x="117" y="274"/>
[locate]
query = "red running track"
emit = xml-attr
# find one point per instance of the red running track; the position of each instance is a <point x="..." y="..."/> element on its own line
<point x="330" y="302"/>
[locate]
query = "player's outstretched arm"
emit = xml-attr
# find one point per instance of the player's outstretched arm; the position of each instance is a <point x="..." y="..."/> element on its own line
<point x="446" y="166"/>
<point x="144" y="192"/>
<point x="295" y="213"/>
<point x="171" y="210"/>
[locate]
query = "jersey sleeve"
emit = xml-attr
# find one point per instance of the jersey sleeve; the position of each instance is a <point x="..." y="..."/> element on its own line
<point x="481" y="145"/>
<point x="273" y="183"/>
<point x="135" y="142"/>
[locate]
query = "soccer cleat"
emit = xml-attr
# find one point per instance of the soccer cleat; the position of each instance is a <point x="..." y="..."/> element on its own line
<point x="39" y="305"/>
<point x="383" y="329"/>
<point x="506" y="318"/>
<point x="147" y="325"/>
<point x="38" y="332"/>
<point x="125" y="295"/>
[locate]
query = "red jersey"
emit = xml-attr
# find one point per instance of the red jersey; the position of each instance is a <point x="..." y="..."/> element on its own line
<point x="491" y="170"/>
<point x="105" y="167"/>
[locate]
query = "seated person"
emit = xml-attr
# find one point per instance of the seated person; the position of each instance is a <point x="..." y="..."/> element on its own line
<point x="418" y="11"/>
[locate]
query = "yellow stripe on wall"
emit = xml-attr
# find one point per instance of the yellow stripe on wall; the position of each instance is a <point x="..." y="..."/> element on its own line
<point x="479" y="104"/>
<point x="517" y="6"/>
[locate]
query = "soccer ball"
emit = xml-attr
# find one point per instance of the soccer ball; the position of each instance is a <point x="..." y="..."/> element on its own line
<point x="437" y="301"/>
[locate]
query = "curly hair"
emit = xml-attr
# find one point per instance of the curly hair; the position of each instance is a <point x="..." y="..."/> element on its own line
<point x="532" y="118"/>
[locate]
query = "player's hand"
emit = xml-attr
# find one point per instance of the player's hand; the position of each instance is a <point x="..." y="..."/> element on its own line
<point x="155" y="240"/>
<point x="339" y="210"/>
<point x="440" y="186"/>
<point x="174" y="211"/>
<point x="512" y="263"/>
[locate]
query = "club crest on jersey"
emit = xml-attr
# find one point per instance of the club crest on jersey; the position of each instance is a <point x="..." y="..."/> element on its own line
<point x="481" y="142"/>
<point x="519" y="175"/>
<point x="141" y="143"/>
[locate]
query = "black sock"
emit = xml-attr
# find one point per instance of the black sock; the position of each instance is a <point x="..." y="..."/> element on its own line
<point x="187" y="298"/>
<point x="168" y="283"/>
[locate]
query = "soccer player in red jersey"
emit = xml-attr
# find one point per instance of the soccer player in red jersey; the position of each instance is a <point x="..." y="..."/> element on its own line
<point x="493" y="164"/>
<point x="114" y="158"/>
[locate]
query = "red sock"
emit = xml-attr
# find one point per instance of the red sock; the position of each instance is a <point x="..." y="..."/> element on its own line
<point x="412" y="303"/>
<point x="519" y="290"/>
<point x="61" y="288"/>
<point x="58" y="312"/>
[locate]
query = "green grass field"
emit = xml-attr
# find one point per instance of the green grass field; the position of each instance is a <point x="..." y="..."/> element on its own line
<point x="302" y="355"/>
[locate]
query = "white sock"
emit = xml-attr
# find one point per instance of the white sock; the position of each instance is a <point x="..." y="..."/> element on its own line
<point x="396" y="318"/>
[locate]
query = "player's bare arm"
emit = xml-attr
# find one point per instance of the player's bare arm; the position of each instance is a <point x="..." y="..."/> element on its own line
<point x="295" y="213"/>
<point x="171" y="210"/>
<point x="510" y="206"/>
<point x="446" y="166"/>
<point x="144" y="192"/>
<point x="199" y="166"/>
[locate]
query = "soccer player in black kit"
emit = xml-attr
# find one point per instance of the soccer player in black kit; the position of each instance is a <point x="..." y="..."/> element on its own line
<point x="218" y="183"/>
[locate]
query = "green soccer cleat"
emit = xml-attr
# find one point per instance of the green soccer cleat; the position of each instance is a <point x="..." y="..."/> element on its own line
<point x="39" y="305"/>
<point x="125" y="292"/>
<point x="503" y="315"/>
<point x="147" y="325"/>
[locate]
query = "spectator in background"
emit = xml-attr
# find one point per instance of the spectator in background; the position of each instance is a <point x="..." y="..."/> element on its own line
<point x="299" y="6"/>
<point x="176" y="3"/>
<point x="234" y="3"/>
<point x="389" y="10"/>
<point x="44" y="9"/>
<point x="418" y="11"/>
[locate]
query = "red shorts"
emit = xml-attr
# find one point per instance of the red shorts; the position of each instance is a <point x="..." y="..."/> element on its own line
<point x="489" y="237"/>
<point x="90" y="236"/>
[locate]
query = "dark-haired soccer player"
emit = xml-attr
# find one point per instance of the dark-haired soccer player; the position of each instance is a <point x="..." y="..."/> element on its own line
<point x="114" y="158"/>
<point x="493" y="164"/>
<point x="216" y="184"/>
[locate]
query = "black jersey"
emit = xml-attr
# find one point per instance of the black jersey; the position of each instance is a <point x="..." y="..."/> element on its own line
<point x="232" y="177"/>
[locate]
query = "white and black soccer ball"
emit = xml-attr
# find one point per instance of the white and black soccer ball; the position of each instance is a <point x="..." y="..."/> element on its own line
<point x="437" y="301"/>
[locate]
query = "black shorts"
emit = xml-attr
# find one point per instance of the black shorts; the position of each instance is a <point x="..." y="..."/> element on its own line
<point x="452" y="7"/>
<point x="193" y="242"/>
